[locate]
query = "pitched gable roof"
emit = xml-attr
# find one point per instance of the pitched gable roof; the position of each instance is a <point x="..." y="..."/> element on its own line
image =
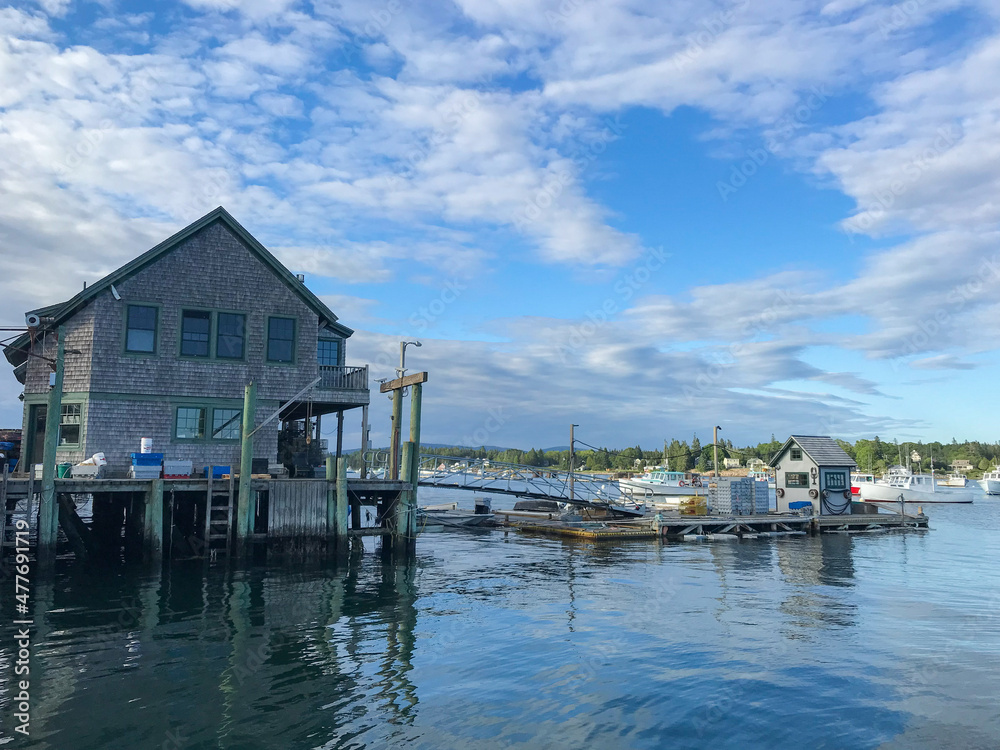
<point x="16" y="352"/>
<point x="824" y="451"/>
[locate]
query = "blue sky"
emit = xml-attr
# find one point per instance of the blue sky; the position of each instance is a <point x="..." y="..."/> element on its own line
<point x="774" y="216"/>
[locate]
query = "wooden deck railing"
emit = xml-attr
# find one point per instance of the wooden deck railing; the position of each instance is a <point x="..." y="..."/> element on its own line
<point x="346" y="378"/>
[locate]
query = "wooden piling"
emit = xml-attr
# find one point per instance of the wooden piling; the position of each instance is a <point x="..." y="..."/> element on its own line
<point x="405" y="508"/>
<point x="342" y="502"/>
<point x="48" y="510"/>
<point x="331" y="499"/>
<point x="245" y="509"/>
<point x="397" y="419"/>
<point x="154" y="520"/>
<point x="416" y="397"/>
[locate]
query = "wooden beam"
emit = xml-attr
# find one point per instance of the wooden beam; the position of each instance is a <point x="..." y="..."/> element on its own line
<point x="400" y="383"/>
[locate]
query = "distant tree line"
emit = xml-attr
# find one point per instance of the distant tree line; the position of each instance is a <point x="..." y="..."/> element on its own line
<point x="872" y="455"/>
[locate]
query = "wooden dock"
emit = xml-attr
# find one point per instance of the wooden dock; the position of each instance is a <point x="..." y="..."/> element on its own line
<point x="183" y="518"/>
<point x="694" y="528"/>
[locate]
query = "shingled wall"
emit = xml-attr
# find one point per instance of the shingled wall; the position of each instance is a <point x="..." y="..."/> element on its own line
<point x="132" y="396"/>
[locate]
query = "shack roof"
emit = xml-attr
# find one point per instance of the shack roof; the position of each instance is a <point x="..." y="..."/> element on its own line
<point x="824" y="451"/>
<point x="53" y="315"/>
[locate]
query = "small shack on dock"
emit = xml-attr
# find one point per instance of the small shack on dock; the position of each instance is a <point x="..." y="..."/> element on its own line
<point x="813" y="470"/>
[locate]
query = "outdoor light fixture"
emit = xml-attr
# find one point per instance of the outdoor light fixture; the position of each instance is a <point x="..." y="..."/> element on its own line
<point x="401" y="370"/>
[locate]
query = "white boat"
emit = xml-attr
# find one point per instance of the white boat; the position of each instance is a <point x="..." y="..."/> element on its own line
<point x="955" y="479"/>
<point x="991" y="481"/>
<point x="448" y="514"/>
<point x="912" y="488"/>
<point x="763" y="476"/>
<point x="654" y="484"/>
<point x="859" y="479"/>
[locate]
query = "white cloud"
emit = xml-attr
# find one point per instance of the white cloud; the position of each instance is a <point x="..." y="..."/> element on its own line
<point x="56" y="8"/>
<point x="943" y="362"/>
<point x="256" y="9"/>
<point x="484" y="121"/>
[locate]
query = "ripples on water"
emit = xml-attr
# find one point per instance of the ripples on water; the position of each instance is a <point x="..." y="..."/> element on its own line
<point x="489" y="640"/>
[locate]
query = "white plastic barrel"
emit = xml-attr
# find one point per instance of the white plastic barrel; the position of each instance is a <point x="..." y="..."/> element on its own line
<point x="146" y="445"/>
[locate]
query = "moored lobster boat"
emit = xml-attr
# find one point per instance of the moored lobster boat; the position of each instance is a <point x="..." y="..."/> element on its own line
<point x="991" y="481"/>
<point x="654" y="484"/>
<point x="908" y="488"/>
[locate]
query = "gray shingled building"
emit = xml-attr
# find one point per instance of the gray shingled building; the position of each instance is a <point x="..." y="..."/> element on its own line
<point x="163" y="347"/>
<point x="813" y="469"/>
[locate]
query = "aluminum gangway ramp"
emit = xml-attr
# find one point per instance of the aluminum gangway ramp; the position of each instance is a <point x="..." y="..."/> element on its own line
<point x="535" y="482"/>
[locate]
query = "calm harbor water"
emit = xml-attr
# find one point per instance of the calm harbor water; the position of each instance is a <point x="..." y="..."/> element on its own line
<point x="494" y="639"/>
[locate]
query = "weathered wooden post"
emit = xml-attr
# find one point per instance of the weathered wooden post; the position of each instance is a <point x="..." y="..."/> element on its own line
<point x="154" y="520"/>
<point x="342" y="502"/>
<point x="245" y="509"/>
<point x="364" y="441"/>
<point x="405" y="507"/>
<point x="397" y="418"/>
<point x="48" y="509"/>
<point x="331" y="498"/>
<point x="416" y="397"/>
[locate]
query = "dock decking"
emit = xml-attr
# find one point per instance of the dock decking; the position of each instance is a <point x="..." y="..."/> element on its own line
<point x="705" y="527"/>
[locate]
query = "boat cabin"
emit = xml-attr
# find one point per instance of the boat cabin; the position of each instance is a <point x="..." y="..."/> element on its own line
<point x="813" y="470"/>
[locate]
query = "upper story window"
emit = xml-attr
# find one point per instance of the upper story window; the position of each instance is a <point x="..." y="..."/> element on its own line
<point x="796" y="454"/>
<point x="281" y="339"/>
<point x="328" y="352"/>
<point x="231" y="336"/>
<point x="196" y="332"/>
<point x="140" y="329"/>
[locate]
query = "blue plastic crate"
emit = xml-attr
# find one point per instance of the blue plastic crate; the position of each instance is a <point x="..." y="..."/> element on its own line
<point x="219" y="471"/>
<point x="147" y="459"/>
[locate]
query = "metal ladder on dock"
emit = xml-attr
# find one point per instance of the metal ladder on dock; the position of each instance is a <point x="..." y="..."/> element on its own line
<point x="218" y="517"/>
<point x="15" y="509"/>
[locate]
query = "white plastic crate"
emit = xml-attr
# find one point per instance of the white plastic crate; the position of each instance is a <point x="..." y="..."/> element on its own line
<point x="177" y="468"/>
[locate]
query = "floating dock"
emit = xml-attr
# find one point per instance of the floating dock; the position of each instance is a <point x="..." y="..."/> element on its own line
<point x="691" y="528"/>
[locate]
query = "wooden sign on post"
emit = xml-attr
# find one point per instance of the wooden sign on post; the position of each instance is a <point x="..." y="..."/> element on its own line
<point x="400" y="383"/>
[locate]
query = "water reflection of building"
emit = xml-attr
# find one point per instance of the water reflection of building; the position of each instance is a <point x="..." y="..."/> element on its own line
<point x="209" y="653"/>
<point x="809" y="566"/>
